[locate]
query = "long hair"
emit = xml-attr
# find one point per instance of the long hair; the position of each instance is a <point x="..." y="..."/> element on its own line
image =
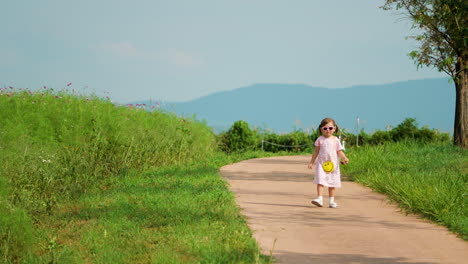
<point x="326" y="121"/>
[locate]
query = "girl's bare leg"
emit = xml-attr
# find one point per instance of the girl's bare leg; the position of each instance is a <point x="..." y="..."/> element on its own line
<point x="331" y="191"/>
<point x="319" y="200"/>
<point x="319" y="190"/>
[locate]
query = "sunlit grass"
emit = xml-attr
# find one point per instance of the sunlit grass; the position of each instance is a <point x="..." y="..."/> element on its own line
<point x="431" y="180"/>
<point x="175" y="214"/>
<point x="60" y="143"/>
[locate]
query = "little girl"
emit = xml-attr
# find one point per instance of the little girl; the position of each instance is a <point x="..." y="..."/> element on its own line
<point x="327" y="170"/>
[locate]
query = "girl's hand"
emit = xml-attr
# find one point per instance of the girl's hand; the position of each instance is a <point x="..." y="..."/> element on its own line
<point x="310" y="165"/>
<point x="345" y="161"/>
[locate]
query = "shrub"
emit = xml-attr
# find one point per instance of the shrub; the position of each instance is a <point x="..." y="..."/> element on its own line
<point x="296" y="141"/>
<point x="239" y="137"/>
<point x="362" y="139"/>
<point x="405" y="130"/>
<point x="380" y="137"/>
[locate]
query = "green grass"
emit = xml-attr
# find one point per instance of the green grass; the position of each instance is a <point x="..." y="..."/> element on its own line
<point x="61" y="142"/>
<point x="83" y="180"/>
<point x="176" y="214"/>
<point x="431" y="180"/>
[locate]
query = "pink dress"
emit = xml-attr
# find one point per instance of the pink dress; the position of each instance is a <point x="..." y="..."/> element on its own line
<point x="329" y="148"/>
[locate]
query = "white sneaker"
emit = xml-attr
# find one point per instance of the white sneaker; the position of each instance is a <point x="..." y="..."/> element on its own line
<point x="333" y="205"/>
<point x="318" y="202"/>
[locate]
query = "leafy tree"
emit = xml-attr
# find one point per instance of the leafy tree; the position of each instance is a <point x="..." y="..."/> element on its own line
<point x="443" y="27"/>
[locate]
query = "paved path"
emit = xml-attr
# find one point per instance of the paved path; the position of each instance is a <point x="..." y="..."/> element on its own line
<point x="274" y="195"/>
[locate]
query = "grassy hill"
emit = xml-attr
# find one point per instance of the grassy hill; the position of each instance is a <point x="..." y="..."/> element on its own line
<point x="85" y="181"/>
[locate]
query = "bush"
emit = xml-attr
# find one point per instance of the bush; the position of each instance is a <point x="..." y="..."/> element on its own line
<point x="362" y="139"/>
<point x="296" y="141"/>
<point x="405" y="130"/>
<point x="408" y="130"/>
<point x="239" y="137"/>
<point x="380" y="137"/>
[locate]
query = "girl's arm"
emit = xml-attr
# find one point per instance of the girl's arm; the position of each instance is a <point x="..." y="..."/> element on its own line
<point x="343" y="157"/>
<point x="314" y="157"/>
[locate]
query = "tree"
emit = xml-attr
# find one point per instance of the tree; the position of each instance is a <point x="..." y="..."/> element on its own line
<point x="443" y="27"/>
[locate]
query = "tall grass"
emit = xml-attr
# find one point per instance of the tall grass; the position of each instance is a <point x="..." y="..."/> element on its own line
<point x="428" y="179"/>
<point x="57" y="142"/>
<point x="56" y="145"/>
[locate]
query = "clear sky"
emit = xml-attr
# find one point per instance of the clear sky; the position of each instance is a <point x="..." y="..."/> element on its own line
<point x="178" y="50"/>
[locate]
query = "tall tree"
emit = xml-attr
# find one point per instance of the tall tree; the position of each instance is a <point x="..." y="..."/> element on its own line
<point x="443" y="34"/>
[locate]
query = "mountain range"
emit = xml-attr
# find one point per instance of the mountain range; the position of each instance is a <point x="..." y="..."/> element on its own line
<point x="287" y="107"/>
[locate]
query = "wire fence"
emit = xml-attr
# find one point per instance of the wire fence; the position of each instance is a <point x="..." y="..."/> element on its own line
<point x="285" y="146"/>
<point x="296" y="146"/>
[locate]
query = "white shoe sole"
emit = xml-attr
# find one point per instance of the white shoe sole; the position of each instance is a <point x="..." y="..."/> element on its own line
<point x="317" y="204"/>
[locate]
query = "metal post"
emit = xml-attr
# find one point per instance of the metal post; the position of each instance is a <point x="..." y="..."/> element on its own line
<point x="357" y="133"/>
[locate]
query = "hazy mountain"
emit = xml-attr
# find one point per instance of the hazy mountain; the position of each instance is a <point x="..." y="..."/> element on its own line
<point x="285" y="107"/>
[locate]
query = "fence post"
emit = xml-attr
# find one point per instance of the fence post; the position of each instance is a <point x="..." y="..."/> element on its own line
<point x="262" y="144"/>
<point x="357" y="132"/>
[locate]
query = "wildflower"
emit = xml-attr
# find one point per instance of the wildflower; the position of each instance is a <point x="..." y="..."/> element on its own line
<point x="11" y="87"/>
<point x="45" y="87"/>
<point x="57" y="96"/>
<point x="46" y="161"/>
<point x="68" y="84"/>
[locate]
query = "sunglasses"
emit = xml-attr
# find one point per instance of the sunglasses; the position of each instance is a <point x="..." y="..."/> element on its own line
<point x="325" y="128"/>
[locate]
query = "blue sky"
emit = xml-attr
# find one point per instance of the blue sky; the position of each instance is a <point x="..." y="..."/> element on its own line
<point x="181" y="50"/>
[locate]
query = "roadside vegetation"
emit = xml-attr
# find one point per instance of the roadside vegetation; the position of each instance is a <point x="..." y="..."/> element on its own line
<point x="426" y="179"/>
<point x="86" y="181"/>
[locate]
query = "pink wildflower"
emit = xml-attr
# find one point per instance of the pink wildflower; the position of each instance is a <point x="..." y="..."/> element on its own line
<point x="68" y="84"/>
